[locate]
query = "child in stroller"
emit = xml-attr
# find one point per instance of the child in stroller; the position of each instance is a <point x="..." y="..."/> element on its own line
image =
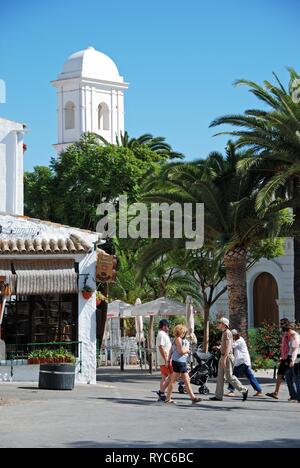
<point x="206" y="367"/>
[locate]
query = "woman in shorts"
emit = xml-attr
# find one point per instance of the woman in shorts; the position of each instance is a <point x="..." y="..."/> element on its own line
<point x="179" y="355"/>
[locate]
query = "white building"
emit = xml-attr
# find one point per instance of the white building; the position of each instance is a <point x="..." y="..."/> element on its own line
<point x="11" y="167"/>
<point x="46" y="264"/>
<point x="90" y="98"/>
<point x="270" y="285"/>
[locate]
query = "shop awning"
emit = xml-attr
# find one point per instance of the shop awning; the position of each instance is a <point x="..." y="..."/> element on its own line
<point x="35" y="277"/>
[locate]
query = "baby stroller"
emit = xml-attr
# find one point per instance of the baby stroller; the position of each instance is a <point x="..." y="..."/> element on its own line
<point x="206" y="367"/>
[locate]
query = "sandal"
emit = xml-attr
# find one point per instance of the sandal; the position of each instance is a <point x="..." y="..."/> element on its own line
<point x="170" y="402"/>
<point x="196" y="400"/>
<point x="272" y="395"/>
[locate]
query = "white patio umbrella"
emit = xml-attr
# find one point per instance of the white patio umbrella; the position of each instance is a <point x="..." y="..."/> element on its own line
<point x="190" y="320"/>
<point x="140" y="336"/>
<point x="160" y="307"/>
<point x="119" y="309"/>
<point x="139" y="325"/>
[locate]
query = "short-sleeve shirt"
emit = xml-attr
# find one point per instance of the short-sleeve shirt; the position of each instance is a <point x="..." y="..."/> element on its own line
<point x="163" y="340"/>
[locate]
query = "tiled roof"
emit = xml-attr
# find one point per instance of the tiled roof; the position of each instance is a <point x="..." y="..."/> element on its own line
<point x="42" y="246"/>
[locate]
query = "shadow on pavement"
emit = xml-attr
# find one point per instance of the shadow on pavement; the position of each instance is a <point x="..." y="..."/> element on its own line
<point x="189" y="443"/>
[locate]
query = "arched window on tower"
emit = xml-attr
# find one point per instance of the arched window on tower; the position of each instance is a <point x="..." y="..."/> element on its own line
<point x="69" y="116"/>
<point x="103" y="117"/>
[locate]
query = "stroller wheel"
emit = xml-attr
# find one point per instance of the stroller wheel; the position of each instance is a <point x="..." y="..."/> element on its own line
<point x="181" y="389"/>
<point x="203" y="390"/>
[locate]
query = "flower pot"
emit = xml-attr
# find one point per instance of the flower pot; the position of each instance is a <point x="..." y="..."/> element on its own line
<point x="33" y="361"/>
<point x="57" y="377"/>
<point x="87" y="295"/>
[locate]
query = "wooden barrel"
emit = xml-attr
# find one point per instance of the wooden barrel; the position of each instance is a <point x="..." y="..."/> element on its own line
<point x="57" y="376"/>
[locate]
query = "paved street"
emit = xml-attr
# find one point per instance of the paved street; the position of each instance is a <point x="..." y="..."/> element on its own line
<point x="122" y="411"/>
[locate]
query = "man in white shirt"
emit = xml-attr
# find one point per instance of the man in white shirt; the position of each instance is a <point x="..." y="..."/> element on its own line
<point x="163" y="347"/>
<point x="242" y="364"/>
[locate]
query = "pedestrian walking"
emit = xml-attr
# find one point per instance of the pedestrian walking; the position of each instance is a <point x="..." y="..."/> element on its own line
<point x="163" y="347"/>
<point x="179" y="355"/>
<point x="226" y="364"/>
<point x="293" y="372"/>
<point x="284" y="362"/>
<point x="242" y="364"/>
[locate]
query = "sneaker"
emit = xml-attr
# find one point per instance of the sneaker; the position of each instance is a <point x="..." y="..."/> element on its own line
<point x="196" y="400"/>
<point x="258" y="394"/>
<point x="215" y="399"/>
<point x="230" y="394"/>
<point x="245" y="396"/>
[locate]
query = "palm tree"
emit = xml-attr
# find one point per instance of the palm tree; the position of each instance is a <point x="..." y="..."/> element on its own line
<point x="156" y="144"/>
<point x="232" y="223"/>
<point x="273" y="135"/>
<point x="201" y="276"/>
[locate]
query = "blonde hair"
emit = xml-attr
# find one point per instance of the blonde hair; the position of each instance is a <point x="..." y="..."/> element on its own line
<point x="180" y="331"/>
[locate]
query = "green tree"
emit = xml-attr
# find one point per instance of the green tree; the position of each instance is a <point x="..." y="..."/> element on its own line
<point x="39" y="193"/>
<point x="86" y="174"/>
<point x="232" y="223"/>
<point x="156" y="144"/>
<point x="273" y="136"/>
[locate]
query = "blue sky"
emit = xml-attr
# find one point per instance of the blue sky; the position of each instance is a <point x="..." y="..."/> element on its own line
<point x="181" y="59"/>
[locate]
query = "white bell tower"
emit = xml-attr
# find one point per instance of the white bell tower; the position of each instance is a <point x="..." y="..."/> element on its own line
<point x="90" y="98"/>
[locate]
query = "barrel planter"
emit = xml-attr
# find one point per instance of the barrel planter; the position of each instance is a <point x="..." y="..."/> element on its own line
<point x="57" y="376"/>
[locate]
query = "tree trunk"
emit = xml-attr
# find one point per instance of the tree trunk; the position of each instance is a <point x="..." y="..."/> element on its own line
<point x="206" y="329"/>
<point x="235" y="265"/>
<point x="297" y="264"/>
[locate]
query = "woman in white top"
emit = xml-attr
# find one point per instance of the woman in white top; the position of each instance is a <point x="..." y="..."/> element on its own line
<point x="293" y="373"/>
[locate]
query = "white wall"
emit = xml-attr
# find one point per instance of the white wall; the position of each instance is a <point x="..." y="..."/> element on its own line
<point x="87" y="326"/>
<point x="11" y="167"/>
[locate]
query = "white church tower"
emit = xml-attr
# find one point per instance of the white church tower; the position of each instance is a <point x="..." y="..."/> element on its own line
<point x="90" y="98"/>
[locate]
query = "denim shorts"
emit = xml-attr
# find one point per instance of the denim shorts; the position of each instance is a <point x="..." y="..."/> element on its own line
<point x="179" y="367"/>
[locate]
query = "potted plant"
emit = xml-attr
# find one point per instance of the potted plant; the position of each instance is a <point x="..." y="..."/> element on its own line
<point x="59" y="374"/>
<point x="100" y="298"/>
<point x="57" y="368"/>
<point x="87" y="291"/>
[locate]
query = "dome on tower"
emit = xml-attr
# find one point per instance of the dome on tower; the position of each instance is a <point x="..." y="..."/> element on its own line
<point x="90" y="63"/>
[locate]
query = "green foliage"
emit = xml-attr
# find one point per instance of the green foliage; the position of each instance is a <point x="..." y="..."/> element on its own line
<point x="215" y="335"/>
<point x="86" y="174"/>
<point x="264" y="346"/>
<point x="60" y="355"/>
<point x="272" y="135"/>
<point x="39" y="193"/>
